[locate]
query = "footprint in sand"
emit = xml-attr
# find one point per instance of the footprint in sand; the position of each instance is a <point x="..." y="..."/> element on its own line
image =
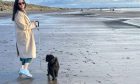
<point x="11" y="40"/>
<point x="93" y="62"/>
<point x="75" y="75"/>
<point x="95" y="52"/>
<point x="125" y="48"/>
<point x="127" y="57"/>
<point x="109" y="75"/>
<point x="87" y="51"/>
<point x="63" y="72"/>
<point x="68" y="69"/>
<point x="5" y="50"/>
<point x="85" y="61"/>
<point x="76" y="63"/>
<point x="61" y="51"/>
<point x="71" y="54"/>
<point x="98" y="81"/>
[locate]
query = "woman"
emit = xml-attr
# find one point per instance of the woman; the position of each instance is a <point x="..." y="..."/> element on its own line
<point x="26" y="48"/>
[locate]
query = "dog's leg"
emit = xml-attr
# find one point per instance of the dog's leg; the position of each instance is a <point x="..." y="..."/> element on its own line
<point x="53" y="75"/>
<point x="48" y="74"/>
<point x="57" y="69"/>
<point x="48" y="70"/>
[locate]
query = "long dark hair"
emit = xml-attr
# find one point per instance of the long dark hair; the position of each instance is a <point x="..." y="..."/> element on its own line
<point x="16" y="8"/>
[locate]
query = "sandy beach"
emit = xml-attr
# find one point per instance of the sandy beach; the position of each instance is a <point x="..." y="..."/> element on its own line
<point x="93" y="47"/>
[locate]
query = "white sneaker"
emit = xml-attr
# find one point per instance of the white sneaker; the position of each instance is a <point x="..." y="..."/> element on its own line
<point x="21" y="71"/>
<point x="25" y="72"/>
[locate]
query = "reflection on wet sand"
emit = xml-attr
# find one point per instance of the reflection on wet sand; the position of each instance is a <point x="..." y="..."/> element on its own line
<point x="52" y="82"/>
<point x="24" y="80"/>
<point x="30" y="81"/>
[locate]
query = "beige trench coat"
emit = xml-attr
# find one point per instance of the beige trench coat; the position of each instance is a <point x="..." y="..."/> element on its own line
<point x="26" y="47"/>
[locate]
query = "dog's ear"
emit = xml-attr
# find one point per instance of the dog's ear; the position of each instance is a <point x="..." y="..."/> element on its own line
<point x="47" y="58"/>
<point x="53" y="60"/>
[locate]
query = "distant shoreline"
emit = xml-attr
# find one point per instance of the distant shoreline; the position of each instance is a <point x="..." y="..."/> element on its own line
<point x="77" y="12"/>
<point x="6" y="8"/>
<point x="7" y="14"/>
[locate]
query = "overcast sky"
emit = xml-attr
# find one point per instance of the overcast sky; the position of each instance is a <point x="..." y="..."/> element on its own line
<point x="86" y="3"/>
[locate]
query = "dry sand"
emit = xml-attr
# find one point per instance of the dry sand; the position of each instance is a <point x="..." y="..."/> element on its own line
<point x="92" y="49"/>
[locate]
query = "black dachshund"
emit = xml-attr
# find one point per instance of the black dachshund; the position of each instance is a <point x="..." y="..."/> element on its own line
<point x="53" y="66"/>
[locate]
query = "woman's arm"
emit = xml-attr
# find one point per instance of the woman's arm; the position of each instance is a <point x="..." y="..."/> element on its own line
<point x="21" y="22"/>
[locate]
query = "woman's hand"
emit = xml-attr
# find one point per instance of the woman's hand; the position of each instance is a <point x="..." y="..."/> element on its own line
<point x="34" y="22"/>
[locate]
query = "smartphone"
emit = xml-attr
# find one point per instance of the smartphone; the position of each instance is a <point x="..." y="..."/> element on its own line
<point x="37" y="23"/>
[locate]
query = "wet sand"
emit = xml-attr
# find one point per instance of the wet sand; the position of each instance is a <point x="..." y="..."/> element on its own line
<point x="91" y="49"/>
